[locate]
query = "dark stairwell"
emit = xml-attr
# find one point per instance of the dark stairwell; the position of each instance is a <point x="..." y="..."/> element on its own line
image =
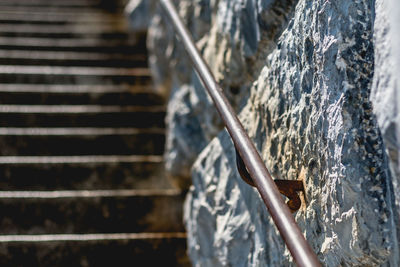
<point x="81" y="138"/>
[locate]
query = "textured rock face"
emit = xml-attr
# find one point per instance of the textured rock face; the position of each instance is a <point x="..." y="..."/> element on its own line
<point x="310" y="115"/>
<point x="385" y="93"/>
<point x="173" y="74"/>
<point x="138" y="12"/>
<point x="318" y="94"/>
<point x="234" y="37"/>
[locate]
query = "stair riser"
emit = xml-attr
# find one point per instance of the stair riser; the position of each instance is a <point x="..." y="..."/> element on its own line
<point x="104" y="36"/>
<point x="81" y="28"/>
<point x="122" y="99"/>
<point x="147" y="252"/>
<point x="58" y="4"/>
<point x="102" y="49"/>
<point x="73" y="79"/>
<point x="91" y="215"/>
<point x="137" y="144"/>
<point x="106" y="6"/>
<point x="68" y="62"/>
<point x="131" y="45"/>
<point x="62" y="19"/>
<point x="125" y="119"/>
<point x="55" y="20"/>
<point x="68" y="176"/>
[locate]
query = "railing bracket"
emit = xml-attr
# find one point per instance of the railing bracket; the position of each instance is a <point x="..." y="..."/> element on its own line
<point x="288" y="188"/>
<point x="291" y="189"/>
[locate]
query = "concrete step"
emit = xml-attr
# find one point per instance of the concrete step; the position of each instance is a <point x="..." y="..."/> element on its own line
<point x="26" y="94"/>
<point x="110" y="7"/>
<point x="92" y="211"/>
<point x="81" y="116"/>
<point x="143" y="249"/>
<point x="63" y="31"/>
<point x="79" y="29"/>
<point x="20" y="17"/>
<point x="81" y="141"/>
<point x="63" y="58"/>
<point x="82" y="172"/>
<point x="58" y="3"/>
<point x="59" y="19"/>
<point x="73" y="75"/>
<point x="129" y="45"/>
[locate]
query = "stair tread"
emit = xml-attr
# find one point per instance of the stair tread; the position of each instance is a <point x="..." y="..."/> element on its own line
<point x="65" y="55"/>
<point x="78" y="131"/>
<point x="74" y="89"/>
<point x="83" y="28"/>
<point x="90" y="237"/>
<point x="82" y="159"/>
<point x="89" y="193"/>
<point x="80" y="71"/>
<point x="78" y="109"/>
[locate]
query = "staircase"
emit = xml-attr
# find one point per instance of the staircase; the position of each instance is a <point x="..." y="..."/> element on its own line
<point x="81" y="141"/>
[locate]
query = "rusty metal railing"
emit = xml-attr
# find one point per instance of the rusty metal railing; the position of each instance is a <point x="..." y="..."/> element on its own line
<point x="261" y="178"/>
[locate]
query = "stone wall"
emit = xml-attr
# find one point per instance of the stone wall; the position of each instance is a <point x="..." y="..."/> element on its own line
<point x="314" y="83"/>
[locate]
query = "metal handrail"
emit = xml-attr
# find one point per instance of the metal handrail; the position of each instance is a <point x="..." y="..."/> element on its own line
<point x="289" y="230"/>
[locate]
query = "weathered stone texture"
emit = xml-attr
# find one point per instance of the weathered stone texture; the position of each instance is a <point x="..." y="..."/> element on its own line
<point x="173" y="73"/>
<point x="385" y="94"/>
<point x="310" y="116"/>
<point x="234" y="38"/>
<point x="138" y="12"/>
<point x="301" y="74"/>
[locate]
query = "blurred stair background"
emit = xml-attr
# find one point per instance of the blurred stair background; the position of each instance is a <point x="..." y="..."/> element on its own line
<point x="81" y="138"/>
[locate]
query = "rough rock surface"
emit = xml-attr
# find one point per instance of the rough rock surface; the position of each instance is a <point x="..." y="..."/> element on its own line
<point x="317" y="92"/>
<point x="385" y="94"/>
<point x="310" y="115"/>
<point x="233" y="37"/>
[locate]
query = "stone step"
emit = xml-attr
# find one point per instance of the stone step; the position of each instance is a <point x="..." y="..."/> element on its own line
<point x="21" y="17"/>
<point x="58" y="3"/>
<point x="81" y="116"/>
<point x="73" y="89"/>
<point x="64" y="31"/>
<point x="110" y="7"/>
<point x="121" y="35"/>
<point x="82" y="172"/>
<point x="84" y="29"/>
<point x="91" y="211"/>
<point x="127" y="46"/>
<point x="60" y="19"/>
<point x="63" y="58"/>
<point x="73" y="75"/>
<point x="26" y="94"/>
<point x="81" y="141"/>
<point x="142" y="249"/>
